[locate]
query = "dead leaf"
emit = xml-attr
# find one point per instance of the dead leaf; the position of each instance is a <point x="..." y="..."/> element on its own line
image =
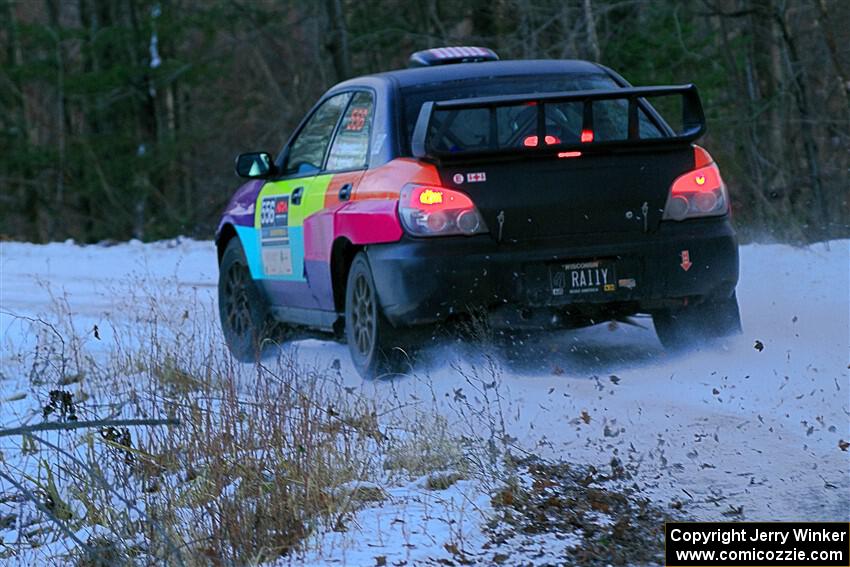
<point x="843" y="445"/>
<point x="715" y="391"/>
<point x="558" y="371"/>
<point x="380" y="560"/>
<point x="585" y="417"/>
<point x="758" y="345"/>
<point x="504" y="497"/>
<point x="614" y="379"/>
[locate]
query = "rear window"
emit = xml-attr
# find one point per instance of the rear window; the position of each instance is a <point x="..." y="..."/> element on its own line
<point x="470" y="129"/>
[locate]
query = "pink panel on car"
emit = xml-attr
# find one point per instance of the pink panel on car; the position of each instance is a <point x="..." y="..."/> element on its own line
<point x="371" y="221"/>
<point x="368" y="222"/>
<point x="319" y="235"/>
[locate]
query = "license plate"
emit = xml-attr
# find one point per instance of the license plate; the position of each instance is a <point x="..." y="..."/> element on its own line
<point x="580" y="278"/>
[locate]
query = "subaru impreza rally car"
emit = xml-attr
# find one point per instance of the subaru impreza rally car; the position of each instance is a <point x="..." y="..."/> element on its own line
<point x="546" y="194"/>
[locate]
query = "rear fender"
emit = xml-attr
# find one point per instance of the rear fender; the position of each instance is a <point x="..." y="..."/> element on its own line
<point x="357" y="223"/>
<point x="368" y="222"/>
<point x="373" y="221"/>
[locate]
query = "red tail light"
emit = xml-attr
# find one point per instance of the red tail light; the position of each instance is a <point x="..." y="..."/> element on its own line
<point x="531" y="141"/>
<point x="436" y="211"/>
<point x="698" y="193"/>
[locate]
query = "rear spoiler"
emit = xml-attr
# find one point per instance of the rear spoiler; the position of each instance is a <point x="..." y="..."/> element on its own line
<point x="693" y="120"/>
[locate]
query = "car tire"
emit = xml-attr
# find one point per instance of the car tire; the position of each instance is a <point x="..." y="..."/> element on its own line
<point x="711" y="319"/>
<point x="243" y="310"/>
<point x="377" y="348"/>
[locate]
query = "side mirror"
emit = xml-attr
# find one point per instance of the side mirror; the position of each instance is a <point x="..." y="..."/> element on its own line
<point x="254" y="165"/>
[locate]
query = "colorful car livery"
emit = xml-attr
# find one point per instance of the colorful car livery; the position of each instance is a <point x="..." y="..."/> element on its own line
<point x="545" y="194"/>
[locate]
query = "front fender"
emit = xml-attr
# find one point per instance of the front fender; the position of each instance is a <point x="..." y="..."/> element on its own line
<point x="240" y="209"/>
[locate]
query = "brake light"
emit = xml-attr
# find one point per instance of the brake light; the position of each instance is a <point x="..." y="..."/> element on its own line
<point x="436" y="211"/>
<point x="531" y="141"/>
<point x="698" y="193"/>
<point x="586" y="136"/>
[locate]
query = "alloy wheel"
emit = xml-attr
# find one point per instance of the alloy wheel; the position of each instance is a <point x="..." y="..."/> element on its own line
<point x="237" y="306"/>
<point x="363" y="312"/>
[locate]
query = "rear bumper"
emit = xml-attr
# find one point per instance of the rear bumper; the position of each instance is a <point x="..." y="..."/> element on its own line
<point x="427" y="280"/>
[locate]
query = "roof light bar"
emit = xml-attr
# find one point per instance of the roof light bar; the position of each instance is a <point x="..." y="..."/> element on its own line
<point x="450" y="55"/>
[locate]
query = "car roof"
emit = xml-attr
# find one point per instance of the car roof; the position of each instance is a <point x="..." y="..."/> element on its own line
<point x="459" y="71"/>
<point x="387" y="84"/>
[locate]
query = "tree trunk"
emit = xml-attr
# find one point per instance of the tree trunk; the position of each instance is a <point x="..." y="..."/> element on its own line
<point x="338" y="42"/>
<point x="28" y="193"/>
<point x="832" y="46"/>
<point x="590" y="25"/>
<point x="802" y="98"/>
<point x="54" y="13"/>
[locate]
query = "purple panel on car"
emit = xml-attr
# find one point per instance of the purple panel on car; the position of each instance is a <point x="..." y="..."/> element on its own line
<point x="319" y="277"/>
<point x="289" y="293"/>
<point x="240" y="210"/>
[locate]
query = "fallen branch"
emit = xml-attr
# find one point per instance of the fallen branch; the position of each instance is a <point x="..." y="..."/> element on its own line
<point x="43" y="509"/>
<point x="97" y="474"/>
<point x="68" y="425"/>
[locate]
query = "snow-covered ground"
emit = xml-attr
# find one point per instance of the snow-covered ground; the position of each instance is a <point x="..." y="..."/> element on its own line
<point x="727" y="431"/>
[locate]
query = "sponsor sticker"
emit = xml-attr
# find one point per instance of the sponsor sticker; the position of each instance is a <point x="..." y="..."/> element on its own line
<point x="276" y="252"/>
<point x="476" y="177"/>
<point x="686" y="264"/>
<point x="277" y="260"/>
<point x="358" y="118"/>
<point x="458" y="178"/>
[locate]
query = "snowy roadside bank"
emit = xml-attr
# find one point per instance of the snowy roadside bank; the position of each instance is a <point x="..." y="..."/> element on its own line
<point x="724" y="432"/>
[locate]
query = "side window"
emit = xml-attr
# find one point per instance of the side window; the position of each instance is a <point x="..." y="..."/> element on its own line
<point x="350" y="148"/>
<point x="308" y="149"/>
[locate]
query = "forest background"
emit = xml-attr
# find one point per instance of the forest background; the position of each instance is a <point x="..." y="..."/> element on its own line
<point x="121" y="118"/>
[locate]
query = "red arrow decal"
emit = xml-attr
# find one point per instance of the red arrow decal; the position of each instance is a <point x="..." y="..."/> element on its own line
<point x="686" y="260"/>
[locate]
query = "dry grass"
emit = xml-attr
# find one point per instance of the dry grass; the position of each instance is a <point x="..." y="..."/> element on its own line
<point x="426" y="447"/>
<point x="255" y="467"/>
<point x="264" y="460"/>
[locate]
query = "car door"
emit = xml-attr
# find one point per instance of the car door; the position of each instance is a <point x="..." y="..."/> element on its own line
<point x="282" y="205"/>
<point x="347" y="160"/>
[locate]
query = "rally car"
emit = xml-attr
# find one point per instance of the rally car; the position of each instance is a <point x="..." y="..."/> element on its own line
<point x="543" y="194"/>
